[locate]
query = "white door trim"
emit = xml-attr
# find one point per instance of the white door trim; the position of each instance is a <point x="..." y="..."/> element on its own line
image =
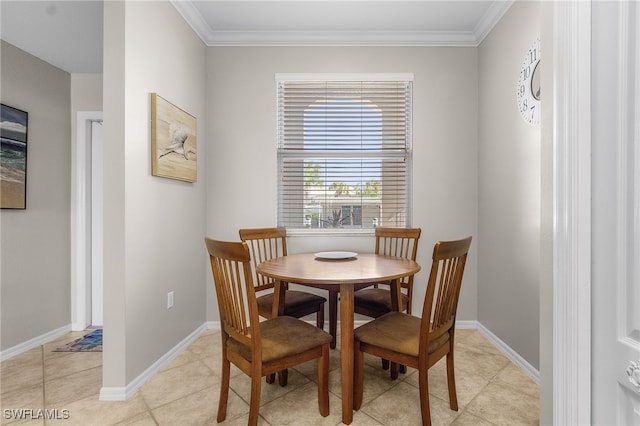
<point x="97" y="210"/>
<point x="627" y="347"/>
<point x="572" y="214"/>
<point x="80" y="261"/>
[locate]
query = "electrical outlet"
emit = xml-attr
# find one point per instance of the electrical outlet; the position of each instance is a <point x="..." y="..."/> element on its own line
<point x="170" y="300"/>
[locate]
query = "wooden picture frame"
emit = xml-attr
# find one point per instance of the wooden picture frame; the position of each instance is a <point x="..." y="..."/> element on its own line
<point x="173" y="141"/>
<point x="13" y="157"/>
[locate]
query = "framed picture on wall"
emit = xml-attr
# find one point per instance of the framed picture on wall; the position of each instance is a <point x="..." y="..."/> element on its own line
<point x="173" y="141"/>
<point x="13" y="158"/>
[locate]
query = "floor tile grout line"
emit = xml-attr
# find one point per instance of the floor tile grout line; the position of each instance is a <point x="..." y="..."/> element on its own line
<point x="458" y="413"/>
<point x="465" y="409"/>
<point x="70" y="355"/>
<point x="149" y="410"/>
<point x="243" y="414"/>
<point x="493" y="379"/>
<point x="164" y="404"/>
<point x="44" y="382"/>
<point x="511" y="386"/>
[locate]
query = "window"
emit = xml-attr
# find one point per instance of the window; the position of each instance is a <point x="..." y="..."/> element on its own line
<point x="344" y="152"/>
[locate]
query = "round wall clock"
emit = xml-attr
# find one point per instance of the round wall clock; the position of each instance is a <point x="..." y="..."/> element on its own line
<point x="528" y="92"/>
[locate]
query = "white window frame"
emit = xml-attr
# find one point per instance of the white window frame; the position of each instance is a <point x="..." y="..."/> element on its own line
<point x="306" y="77"/>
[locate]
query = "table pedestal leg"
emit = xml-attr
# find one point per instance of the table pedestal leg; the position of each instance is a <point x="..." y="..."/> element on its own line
<point x="346" y="351"/>
<point x="396" y="305"/>
<point x="277" y="309"/>
<point x="396" y="295"/>
<point x="333" y="316"/>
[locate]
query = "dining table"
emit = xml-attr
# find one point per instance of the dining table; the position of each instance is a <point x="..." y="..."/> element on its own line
<point x="344" y="271"/>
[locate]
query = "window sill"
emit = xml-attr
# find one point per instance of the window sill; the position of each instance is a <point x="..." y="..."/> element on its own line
<point x="338" y="232"/>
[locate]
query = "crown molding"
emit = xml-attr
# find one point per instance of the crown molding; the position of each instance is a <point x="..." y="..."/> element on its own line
<point x="341" y="38"/>
<point x="194" y="18"/>
<point x="489" y="20"/>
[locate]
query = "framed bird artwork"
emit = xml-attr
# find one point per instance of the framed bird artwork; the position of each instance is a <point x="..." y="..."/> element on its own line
<point x="173" y="141"/>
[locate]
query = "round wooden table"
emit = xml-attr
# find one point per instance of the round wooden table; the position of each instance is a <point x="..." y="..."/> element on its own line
<point x="343" y="274"/>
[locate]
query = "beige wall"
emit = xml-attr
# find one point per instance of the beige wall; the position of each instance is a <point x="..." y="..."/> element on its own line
<point x="86" y="93"/>
<point x="154" y="227"/>
<point x="476" y="172"/>
<point x="241" y="191"/>
<point x="508" y="188"/>
<point x="35" y="268"/>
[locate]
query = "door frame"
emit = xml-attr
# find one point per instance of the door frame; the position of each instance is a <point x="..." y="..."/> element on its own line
<point x="571" y="101"/>
<point x="80" y="221"/>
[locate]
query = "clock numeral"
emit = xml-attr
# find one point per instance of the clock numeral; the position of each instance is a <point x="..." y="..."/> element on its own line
<point x="528" y="88"/>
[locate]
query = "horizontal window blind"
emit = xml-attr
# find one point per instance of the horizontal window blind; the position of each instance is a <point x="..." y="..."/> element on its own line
<point x="344" y="153"/>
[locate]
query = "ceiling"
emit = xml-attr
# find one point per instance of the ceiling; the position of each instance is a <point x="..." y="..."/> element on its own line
<point x="68" y="34"/>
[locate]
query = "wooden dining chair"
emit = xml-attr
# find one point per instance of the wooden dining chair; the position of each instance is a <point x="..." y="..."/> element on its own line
<point x="259" y="348"/>
<point x="265" y="244"/>
<point x="376" y="301"/>
<point x="399" y="242"/>
<point x="419" y="342"/>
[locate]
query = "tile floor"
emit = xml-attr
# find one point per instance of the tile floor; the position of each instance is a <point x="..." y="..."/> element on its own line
<point x="491" y="390"/>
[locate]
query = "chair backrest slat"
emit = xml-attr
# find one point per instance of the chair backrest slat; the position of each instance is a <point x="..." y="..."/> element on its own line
<point x="264" y="244"/>
<point x="446" y="293"/>
<point x="231" y="267"/>
<point x="443" y="288"/>
<point x="399" y="242"/>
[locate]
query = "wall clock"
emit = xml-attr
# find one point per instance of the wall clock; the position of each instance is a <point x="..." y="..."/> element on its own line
<point x="528" y="92"/>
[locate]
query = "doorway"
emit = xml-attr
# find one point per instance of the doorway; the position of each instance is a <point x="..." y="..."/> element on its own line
<point x="86" y="227"/>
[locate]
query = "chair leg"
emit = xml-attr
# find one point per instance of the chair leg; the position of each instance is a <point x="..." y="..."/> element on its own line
<point x="385" y="364"/>
<point x="358" y="375"/>
<point x="320" y="317"/>
<point x="283" y="377"/>
<point x="224" y="390"/>
<point x="271" y="378"/>
<point x="254" y="405"/>
<point x="333" y="317"/>
<point x="423" y="384"/>
<point x="323" y="382"/>
<point x="451" y="381"/>
<point x="394" y="370"/>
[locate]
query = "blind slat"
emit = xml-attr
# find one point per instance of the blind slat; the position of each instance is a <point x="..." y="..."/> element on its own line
<point x="344" y="153"/>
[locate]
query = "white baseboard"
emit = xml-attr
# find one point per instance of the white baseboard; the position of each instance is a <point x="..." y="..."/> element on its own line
<point x="466" y="325"/>
<point x="527" y="368"/>
<point x="118" y="393"/>
<point x="113" y="393"/>
<point x="35" y="342"/>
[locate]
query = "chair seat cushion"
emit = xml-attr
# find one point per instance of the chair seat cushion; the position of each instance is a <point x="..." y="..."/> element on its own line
<point x="378" y="299"/>
<point x="292" y="300"/>
<point x="282" y="337"/>
<point x="398" y="332"/>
